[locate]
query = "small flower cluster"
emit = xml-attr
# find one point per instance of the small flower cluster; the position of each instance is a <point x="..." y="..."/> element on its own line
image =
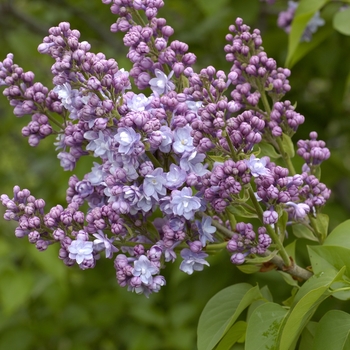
<point x="171" y="165"/>
<point x="314" y="152"/>
<point x="245" y="242"/>
<point x="297" y="194"/>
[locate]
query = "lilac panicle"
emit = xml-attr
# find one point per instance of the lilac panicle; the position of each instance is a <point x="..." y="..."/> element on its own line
<point x="169" y="166"/>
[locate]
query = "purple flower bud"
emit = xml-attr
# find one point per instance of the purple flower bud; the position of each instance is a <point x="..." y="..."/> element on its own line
<point x="237" y="258"/>
<point x="270" y="217"/>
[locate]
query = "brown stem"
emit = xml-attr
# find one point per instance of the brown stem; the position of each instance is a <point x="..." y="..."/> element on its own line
<point x="294" y="270"/>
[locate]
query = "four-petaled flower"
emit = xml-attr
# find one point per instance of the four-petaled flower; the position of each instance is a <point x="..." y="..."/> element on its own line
<point x="80" y="250"/>
<point x="144" y="269"/>
<point x="184" y="204"/>
<point x="205" y="230"/>
<point x="103" y="242"/>
<point x="161" y="84"/>
<point x="257" y="166"/>
<point x="192" y="261"/>
<point x="127" y="139"/>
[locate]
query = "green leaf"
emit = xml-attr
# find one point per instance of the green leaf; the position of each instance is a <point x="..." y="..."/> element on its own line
<point x="222" y="311"/>
<point x="341" y="21"/>
<point x="265" y="292"/>
<point x="235" y="333"/>
<point x="333" y="331"/>
<point x="238" y="210"/>
<point x="337" y="257"/>
<point x="152" y="231"/>
<point x="305" y="47"/>
<point x="340" y="236"/>
<point x="218" y="159"/>
<point x="308" y="335"/>
<point x="288" y="145"/>
<point x="264" y="327"/>
<point x="261" y="259"/>
<point x="282" y="221"/>
<point x="266" y="149"/>
<point x="288" y="279"/>
<point x="341" y="294"/>
<point x="288" y="302"/>
<point x="306" y="301"/>
<point x="305" y="11"/>
<point x="301" y="231"/>
<point x="248" y="269"/>
<point x="321" y="224"/>
<point x="290" y="249"/>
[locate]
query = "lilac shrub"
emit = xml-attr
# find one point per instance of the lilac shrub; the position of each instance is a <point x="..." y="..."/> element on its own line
<point x="187" y="162"/>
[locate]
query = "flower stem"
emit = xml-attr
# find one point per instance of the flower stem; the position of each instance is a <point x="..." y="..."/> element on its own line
<point x="270" y="230"/>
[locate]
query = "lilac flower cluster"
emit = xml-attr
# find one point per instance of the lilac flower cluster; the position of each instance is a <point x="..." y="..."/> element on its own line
<point x="169" y="166"/>
<point x="285" y="19"/>
<point x="245" y="242"/>
<point x="28" y="97"/>
<point x="314" y="152"/>
<point x="252" y="67"/>
<point x="298" y="194"/>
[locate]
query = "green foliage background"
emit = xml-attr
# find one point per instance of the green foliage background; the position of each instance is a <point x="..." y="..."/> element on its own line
<point x="45" y="305"/>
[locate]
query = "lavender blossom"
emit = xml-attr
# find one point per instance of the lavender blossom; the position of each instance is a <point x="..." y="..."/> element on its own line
<point x="154" y="183"/>
<point x="144" y="269"/>
<point x="99" y="143"/>
<point x="102" y="242"/>
<point x="138" y="102"/>
<point x="257" y="166"/>
<point x="161" y="84"/>
<point x="192" y="261"/>
<point x="205" y="230"/>
<point x="175" y="177"/>
<point x="193" y="161"/>
<point x="184" y="204"/>
<point x="80" y="250"/>
<point x="300" y="210"/>
<point x="183" y="141"/>
<point x="127" y="139"/>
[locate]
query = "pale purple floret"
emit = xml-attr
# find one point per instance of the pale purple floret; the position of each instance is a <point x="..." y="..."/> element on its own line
<point x="154" y="183"/>
<point x="161" y="84"/>
<point x="67" y="161"/>
<point x="138" y="103"/>
<point x="127" y="139"/>
<point x="167" y="139"/>
<point x="96" y="176"/>
<point x="192" y="162"/>
<point x="205" y="230"/>
<point x="183" y="141"/>
<point x="194" y="105"/>
<point x="257" y="166"/>
<point x="66" y="95"/>
<point x="157" y="283"/>
<point x="175" y="177"/>
<point x="144" y="269"/>
<point x="184" y="204"/>
<point x="300" y="210"/>
<point x="99" y="143"/>
<point x="102" y="242"/>
<point x="80" y="250"/>
<point x="312" y="26"/>
<point x="192" y="261"/>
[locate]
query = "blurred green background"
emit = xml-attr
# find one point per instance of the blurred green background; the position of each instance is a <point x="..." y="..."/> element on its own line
<point x="44" y="304"/>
